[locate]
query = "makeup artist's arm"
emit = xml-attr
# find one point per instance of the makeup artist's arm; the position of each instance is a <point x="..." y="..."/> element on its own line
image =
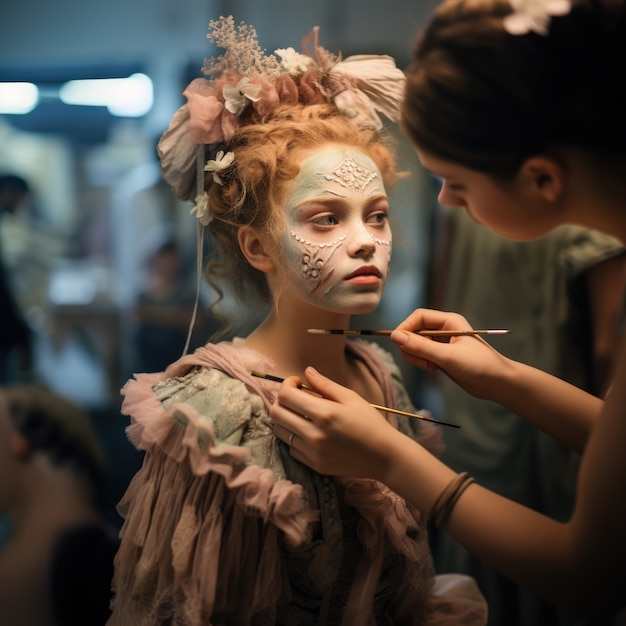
<point x="343" y="435"/>
<point x="606" y="283"/>
<point x="559" y="409"/>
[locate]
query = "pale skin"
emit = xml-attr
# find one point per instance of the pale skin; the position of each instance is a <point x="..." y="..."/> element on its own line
<point x="347" y="228"/>
<point x="571" y="564"/>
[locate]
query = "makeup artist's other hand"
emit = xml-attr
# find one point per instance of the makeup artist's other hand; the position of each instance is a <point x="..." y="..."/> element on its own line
<point x="338" y="434"/>
<point x="468" y="360"/>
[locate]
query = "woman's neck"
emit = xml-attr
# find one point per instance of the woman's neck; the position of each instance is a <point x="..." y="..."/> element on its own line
<point x="283" y="337"/>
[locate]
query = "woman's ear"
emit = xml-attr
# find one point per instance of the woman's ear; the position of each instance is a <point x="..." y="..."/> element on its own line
<point x="254" y="249"/>
<point x="20" y="446"/>
<point x="546" y="176"/>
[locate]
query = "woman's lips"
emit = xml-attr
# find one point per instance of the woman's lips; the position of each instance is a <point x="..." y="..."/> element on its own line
<point x="368" y="275"/>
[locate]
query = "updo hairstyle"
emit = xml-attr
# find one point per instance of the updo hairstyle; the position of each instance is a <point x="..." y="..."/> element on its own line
<point x="254" y="187"/>
<point x="487" y="100"/>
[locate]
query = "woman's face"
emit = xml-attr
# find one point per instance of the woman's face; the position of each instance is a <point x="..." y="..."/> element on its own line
<point x="336" y="240"/>
<point x="505" y="208"/>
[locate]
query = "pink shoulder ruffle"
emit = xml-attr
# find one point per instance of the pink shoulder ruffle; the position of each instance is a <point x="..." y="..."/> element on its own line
<point x="179" y="433"/>
<point x="186" y="512"/>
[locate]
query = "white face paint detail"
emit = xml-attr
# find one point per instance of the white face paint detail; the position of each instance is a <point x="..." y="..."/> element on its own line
<point x="351" y="175"/>
<point x="337" y="240"/>
<point x="313" y="259"/>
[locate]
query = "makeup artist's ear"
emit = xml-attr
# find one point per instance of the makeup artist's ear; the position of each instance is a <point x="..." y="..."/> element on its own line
<point x="20" y="446"/>
<point x="254" y="249"/>
<point x="546" y="176"/>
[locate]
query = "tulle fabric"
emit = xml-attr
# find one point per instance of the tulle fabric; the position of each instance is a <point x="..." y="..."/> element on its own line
<point x="209" y="532"/>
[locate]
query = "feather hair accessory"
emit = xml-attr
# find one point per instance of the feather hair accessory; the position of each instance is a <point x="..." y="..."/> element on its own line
<point x="245" y="83"/>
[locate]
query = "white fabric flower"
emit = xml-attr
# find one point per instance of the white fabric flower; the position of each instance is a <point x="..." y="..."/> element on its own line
<point x="201" y="210"/>
<point x="293" y="62"/>
<point x="534" y="15"/>
<point x="219" y="163"/>
<point x="236" y="98"/>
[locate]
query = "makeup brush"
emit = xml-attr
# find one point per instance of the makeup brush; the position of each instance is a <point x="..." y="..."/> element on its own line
<point x="426" y="333"/>
<point x="277" y="379"/>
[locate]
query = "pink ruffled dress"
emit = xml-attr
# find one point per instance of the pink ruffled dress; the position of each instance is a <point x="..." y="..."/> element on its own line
<point x="222" y="526"/>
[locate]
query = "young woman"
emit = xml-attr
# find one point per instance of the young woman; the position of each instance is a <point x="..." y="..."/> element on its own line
<point x="222" y="526"/>
<point x="519" y="108"/>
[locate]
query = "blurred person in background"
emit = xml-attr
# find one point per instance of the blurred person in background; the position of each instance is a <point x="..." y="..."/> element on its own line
<point x="15" y="333"/>
<point x="57" y="564"/>
<point x="164" y="310"/>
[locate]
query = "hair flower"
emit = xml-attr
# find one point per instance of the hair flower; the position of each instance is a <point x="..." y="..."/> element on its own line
<point x="219" y="163"/>
<point x="534" y="15"/>
<point x="201" y="210"/>
<point x="236" y="98"/>
<point x="245" y="78"/>
<point x="209" y="122"/>
<point x="294" y="63"/>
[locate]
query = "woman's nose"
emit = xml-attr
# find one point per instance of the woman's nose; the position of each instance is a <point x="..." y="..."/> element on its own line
<point x="362" y="243"/>
<point x="448" y="198"/>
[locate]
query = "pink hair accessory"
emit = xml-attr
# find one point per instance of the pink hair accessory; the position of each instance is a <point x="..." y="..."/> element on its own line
<point x="361" y="87"/>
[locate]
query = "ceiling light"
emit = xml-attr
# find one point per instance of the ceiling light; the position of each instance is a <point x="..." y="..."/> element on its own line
<point x="124" y="97"/>
<point x="18" y="98"/>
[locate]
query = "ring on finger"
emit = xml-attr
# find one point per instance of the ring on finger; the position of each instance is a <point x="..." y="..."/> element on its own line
<point x="290" y="443"/>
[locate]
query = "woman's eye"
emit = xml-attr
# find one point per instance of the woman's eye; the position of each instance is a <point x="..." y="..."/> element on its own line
<point x="378" y="218"/>
<point x="326" y="220"/>
<point x="453" y="187"/>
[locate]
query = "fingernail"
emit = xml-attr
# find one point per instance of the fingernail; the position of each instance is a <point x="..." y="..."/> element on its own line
<point x="400" y="337"/>
<point x="311" y="371"/>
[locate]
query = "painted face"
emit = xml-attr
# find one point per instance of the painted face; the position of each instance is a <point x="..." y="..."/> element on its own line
<point x="337" y="239"/>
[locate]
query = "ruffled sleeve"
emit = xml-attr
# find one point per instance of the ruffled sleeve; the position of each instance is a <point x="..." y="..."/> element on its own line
<point x="199" y="493"/>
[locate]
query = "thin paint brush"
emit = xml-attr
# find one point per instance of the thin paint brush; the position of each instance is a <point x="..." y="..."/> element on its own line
<point x="426" y="333"/>
<point x="277" y="379"/>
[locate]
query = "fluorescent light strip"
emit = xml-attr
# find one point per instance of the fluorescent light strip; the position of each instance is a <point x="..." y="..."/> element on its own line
<point x="18" y="98"/>
<point x="124" y="97"/>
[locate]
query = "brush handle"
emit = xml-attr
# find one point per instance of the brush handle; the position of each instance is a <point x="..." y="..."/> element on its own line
<point x="278" y="379"/>
<point x="425" y="333"/>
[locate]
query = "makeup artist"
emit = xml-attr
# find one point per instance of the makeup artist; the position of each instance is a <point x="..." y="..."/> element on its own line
<point x="519" y="108"/>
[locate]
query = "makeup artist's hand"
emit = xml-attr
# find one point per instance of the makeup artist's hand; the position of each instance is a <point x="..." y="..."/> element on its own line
<point x="468" y="360"/>
<point x="338" y="434"/>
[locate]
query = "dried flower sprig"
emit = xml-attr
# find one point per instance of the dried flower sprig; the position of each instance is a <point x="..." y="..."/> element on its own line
<point x="246" y="79"/>
<point x="242" y="54"/>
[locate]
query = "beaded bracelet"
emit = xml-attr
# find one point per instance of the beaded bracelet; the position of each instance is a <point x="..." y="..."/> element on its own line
<point x="447" y="499"/>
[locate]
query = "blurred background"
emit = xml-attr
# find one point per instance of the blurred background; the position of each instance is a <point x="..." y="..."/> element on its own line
<point x="83" y="251"/>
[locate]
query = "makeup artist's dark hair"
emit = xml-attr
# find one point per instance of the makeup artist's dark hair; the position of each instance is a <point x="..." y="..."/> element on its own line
<point x="486" y="99"/>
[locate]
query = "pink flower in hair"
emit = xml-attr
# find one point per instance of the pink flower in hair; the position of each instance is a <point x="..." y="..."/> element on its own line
<point x="286" y="89"/>
<point x="268" y="96"/>
<point x="204" y="111"/>
<point x="209" y="120"/>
